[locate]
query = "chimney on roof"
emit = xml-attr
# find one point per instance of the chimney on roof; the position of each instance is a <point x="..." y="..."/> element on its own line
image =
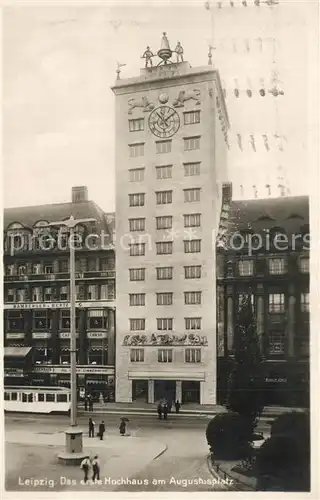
<point x="79" y="194"/>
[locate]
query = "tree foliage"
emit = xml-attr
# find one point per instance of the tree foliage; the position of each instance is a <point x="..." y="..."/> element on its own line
<point x="246" y="381"/>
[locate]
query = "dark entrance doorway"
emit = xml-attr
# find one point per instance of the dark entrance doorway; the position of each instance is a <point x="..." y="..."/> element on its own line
<point x="190" y="392"/>
<point x="140" y="390"/>
<point x="165" y="389"/>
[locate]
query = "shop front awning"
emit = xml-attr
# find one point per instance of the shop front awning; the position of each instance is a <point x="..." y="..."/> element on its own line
<point x="16" y="352"/>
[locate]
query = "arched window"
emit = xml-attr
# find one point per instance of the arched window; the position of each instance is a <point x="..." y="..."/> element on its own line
<point x="17" y="237"/>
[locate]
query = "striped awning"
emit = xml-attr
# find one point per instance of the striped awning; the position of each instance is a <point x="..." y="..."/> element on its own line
<point x="16" y="352"/>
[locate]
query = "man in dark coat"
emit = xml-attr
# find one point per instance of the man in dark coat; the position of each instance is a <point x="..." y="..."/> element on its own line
<point x="165" y="411"/>
<point x="90" y="403"/>
<point x="177" y="405"/>
<point x="91" y="427"/>
<point x="102" y="429"/>
<point x="159" y="410"/>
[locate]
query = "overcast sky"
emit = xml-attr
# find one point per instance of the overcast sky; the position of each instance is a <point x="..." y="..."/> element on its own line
<point x="59" y="64"/>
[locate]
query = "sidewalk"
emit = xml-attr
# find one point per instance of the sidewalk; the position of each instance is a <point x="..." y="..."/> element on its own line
<point x="34" y="455"/>
<point x="139" y="407"/>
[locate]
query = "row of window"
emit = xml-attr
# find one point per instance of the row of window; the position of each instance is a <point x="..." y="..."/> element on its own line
<point x="162" y="147"/>
<point x="164" y="247"/>
<point x="166" y="355"/>
<point x="48" y="294"/>
<point x="97" y="355"/>
<point x="164" y="197"/>
<point x="48" y="267"/>
<point x="276" y="265"/>
<point x="164" y="171"/>
<point x="165" y="222"/>
<point x="189" y="118"/>
<point x="42" y="320"/>
<point x="276" y="302"/>
<point x="139" y="324"/>
<point x="164" y="273"/>
<point x="164" y="298"/>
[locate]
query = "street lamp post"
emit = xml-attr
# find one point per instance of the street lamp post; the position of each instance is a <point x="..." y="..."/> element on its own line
<point x="73" y="453"/>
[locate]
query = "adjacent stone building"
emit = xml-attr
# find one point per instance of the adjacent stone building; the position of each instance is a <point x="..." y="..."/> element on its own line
<point x="37" y="294"/>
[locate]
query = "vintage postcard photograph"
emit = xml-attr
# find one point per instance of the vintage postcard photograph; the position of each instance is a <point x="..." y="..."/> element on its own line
<point x="156" y="261"/>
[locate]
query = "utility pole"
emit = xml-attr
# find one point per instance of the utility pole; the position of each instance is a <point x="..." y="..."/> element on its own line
<point x="73" y="453"/>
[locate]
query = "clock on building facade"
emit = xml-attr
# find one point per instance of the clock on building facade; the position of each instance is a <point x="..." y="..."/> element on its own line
<point x="164" y="122"/>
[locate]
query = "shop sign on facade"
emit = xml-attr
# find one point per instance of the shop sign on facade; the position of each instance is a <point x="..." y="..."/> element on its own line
<point x="41" y="335"/>
<point x="66" y="335"/>
<point x="92" y="370"/>
<point x="58" y="305"/>
<point x="97" y="335"/>
<point x="14" y="335"/>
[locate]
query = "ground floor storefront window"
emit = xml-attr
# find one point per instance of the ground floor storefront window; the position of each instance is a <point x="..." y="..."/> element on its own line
<point x="140" y="390"/>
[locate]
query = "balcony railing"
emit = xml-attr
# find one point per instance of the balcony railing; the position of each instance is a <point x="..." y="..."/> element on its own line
<point x="109" y="274"/>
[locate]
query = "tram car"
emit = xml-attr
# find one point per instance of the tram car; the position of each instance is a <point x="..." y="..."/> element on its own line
<point x="31" y="399"/>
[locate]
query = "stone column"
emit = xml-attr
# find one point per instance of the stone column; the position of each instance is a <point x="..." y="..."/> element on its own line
<point x="260" y="316"/>
<point x="230" y="316"/>
<point x="54" y="342"/>
<point x="111" y="336"/>
<point x="55" y="266"/>
<point x="27" y="321"/>
<point x="290" y="327"/>
<point x="220" y="321"/>
<point x="150" y="391"/>
<point x="83" y="341"/>
<point x="179" y="391"/>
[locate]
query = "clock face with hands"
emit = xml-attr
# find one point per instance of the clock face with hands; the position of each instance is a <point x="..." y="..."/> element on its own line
<point x="164" y="121"/>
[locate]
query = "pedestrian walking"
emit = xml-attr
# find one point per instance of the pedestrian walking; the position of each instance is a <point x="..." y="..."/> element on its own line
<point x="95" y="468"/>
<point x="159" y="410"/>
<point x="91" y="427"/>
<point x="165" y="411"/>
<point x="90" y="403"/>
<point x="177" y="405"/>
<point x="102" y="429"/>
<point x="123" y="426"/>
<point x="85" y="466"/>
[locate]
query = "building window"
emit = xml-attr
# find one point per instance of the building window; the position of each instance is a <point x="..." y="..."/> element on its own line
<point x="192" y="323"/>
<point x="192" y="298"/>
<point x="164" y="247"/>
<point x="164" y="323"/>
<point x="136" y="124"/>
<point x="11" y="295"/>
<point x="42" y="320"/>
<point x="93" y="292"/>
<point x="163" y="197"/>
<point x="64" y="293"/>
<point x="97" y="319"/>
<point x="163" y="147"/>
<point x="304" y="302"/>
<point x="137" y="355"/>
<point x="276" y="342"/>
<point x="64" y="266"/>
<point x="20" y="294"/>
<point x="165" y="355"/>
<point x="137" y="249"/>
<point x="137" y="324"/>
<point x="65" y="321"/>
<point x="164" y="222"/>
<point x="192" y="220"/>
<point x="22" y="269"/>
<point x="9" y="270"/>
<point x="164" y="299"/>
<point x="191" y="195"/>
<point x="136" y="200"/>
<point x="136" y="150"/>
<point x="192" y="272"/>
<point x="164" y="273"/>
<point x="277" y="266"/>
<point x="245" y="267"/>
<point x="137" y="224"/>
<point x="276" y="303"/>
<point x="191" y="143"/>
<point x="191" y="169"/>
<point x="164" y="172"/>
<point x="36" y="268"/>
<point x="192" y="246"/>
<point x="304" y="265"/>
<point x="191" y="117"/>
<point x="137" y="274"/>
<point x="48" y="294"/>
<point x="107" y="264"/>
<point x="136" y="175"/>
<point x="15" y="321"/>
<point x="193" y="355"/>
<point x="137" y="299"/>
<point x="48" y="268"/>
